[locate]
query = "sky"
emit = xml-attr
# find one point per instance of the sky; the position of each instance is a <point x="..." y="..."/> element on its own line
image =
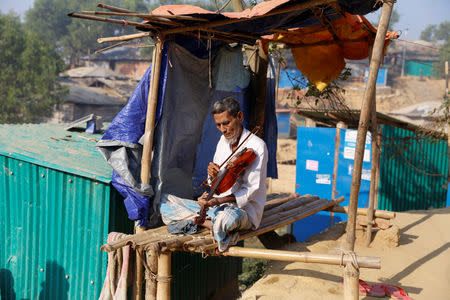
<point x="415" y="15"/>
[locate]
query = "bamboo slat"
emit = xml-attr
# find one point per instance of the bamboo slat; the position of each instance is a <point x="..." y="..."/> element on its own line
<point x="283" y="212"/>
<point x="295" y="203"/>
<point x="275" y="202"/>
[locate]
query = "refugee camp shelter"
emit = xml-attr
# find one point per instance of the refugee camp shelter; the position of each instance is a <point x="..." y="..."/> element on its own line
<point x="57" y="207"/>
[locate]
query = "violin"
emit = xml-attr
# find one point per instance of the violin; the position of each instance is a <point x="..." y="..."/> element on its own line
<point x="227" y="177"/>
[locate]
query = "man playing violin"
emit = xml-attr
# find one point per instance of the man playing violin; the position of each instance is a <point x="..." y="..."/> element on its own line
<point x="241" y="207"/>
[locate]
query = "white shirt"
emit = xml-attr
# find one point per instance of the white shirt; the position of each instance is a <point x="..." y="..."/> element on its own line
<point x="250" y="188"/>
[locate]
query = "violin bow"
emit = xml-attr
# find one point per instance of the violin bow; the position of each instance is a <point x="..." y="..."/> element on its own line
<point x="254" y="131"/>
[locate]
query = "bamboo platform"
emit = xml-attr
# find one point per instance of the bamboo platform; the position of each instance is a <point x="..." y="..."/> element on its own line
<point x="277" y="213"/>
<point x="155" y="246"/>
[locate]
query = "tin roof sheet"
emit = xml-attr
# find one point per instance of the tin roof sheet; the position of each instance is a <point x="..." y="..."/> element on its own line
<point x="51" y="146"/>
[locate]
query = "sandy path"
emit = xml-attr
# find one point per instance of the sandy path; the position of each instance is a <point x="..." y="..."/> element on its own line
<point x="420" y="264"/>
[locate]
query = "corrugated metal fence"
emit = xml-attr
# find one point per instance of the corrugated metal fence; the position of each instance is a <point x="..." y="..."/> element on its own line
<point x="413" y="171"/>
<point x="53" y="224"/>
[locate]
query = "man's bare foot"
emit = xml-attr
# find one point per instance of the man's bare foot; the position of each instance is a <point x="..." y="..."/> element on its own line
<point x="208" y="224"/>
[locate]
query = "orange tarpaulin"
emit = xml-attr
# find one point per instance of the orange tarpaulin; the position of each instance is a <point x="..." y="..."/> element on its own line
<point x="323" y="63"/>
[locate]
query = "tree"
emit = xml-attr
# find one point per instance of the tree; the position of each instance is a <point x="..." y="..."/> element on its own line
<point x="439" y="34"/>
<point x="74" y="38"/>
<point x="427" y="33"/>
<point x="29" y="70"/>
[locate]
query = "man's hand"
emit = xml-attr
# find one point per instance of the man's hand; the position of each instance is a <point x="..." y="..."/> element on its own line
<point x="202" y="200"/>
<point x="213" y="170"/>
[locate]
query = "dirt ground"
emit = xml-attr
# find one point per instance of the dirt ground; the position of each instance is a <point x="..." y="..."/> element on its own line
<point x="420" y="263"/>
<point x="405" y="91"/>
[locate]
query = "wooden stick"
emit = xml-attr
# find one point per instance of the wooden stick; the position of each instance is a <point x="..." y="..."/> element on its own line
<point x="124" y="37"/>
<point x="148" y="17"/>
<point x="114" y="21"/>
<point x="109" y="47"/>
<point x="115" y="8"/>
<point x="164" y="276"/>
<point x="351" y="274"/>
<point x="384" y="214"/>
<point x="306" y="257"/>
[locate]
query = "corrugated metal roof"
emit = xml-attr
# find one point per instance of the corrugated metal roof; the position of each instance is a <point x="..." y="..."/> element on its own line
<point x="51" y="146"/>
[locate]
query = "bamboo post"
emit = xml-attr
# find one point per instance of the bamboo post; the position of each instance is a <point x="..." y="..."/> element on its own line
<point x="373" y="170"/>
<point x="164" y="276"/>
<point x="147" y="149"/>
<point x="351" y="273"/>
<point x="377" y="175"/>
<point x="337" y="142"/>
<point x="150" y="274"/>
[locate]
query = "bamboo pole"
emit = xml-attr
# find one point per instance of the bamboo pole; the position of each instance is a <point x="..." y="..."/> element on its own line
<point x="164" y="276"/>
<point x="363" y="211"/>
<point x="351" y="273"/>
<point x="150" y="274"/>
<point x="148" y="142"/>
<point x="137" y="287"/>
<point x="148" y="17"/>
<point x="124" y="37"/>
<point x="151" y="112"/>
<point x="114" y="21"/>
<point x="377" y="175"/>
<point x="337" y="142"/>
<point x="373" y="170"/>
<point x="306" y="257"/>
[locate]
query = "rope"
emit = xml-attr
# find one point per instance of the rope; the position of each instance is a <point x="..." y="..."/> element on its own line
<point x="352" y="255"/>
<point x="166" y="279"/>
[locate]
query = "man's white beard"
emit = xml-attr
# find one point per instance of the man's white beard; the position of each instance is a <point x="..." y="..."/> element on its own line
<point x="233" y="140"/>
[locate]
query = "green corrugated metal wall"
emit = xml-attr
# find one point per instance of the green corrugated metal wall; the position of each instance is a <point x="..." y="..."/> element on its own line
<point x="54" y="224"/>
<point x="413" y="172"/>
<point x="414" y="68"/>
